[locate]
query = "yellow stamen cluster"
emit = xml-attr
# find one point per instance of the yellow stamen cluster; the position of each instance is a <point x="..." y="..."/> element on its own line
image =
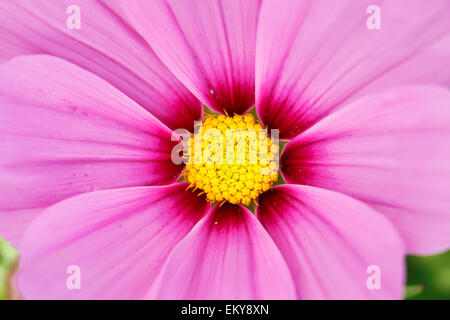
<point x="237" y="177"/>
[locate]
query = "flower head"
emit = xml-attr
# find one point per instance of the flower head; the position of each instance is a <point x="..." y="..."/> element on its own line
<point x="236" y="161"/>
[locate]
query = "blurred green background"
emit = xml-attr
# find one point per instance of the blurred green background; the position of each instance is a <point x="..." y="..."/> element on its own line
<point x="8" y="257"/>
<point x="428" y="277"/>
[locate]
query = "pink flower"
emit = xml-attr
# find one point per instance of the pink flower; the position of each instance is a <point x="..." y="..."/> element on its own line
<point x="87" y="115"/>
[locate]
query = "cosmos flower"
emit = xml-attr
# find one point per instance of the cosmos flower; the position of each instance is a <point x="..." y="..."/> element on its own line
<point x="86" y="133"/>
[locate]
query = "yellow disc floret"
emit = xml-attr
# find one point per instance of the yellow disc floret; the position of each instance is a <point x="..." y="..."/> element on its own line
<point x="231" y="159"/>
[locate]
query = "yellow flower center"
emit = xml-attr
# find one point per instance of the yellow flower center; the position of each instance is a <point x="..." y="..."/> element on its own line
<point x="231" y="159"/>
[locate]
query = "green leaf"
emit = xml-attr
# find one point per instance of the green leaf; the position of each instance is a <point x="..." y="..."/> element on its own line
<point x="413" y="290"/>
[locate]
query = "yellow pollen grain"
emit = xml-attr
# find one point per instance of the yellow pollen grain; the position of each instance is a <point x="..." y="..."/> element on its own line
<point x="251" y="171"/>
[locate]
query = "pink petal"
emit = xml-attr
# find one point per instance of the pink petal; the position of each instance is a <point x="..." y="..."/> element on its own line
<point x="106" y="45"/>
<point x="313" y="57"/>
<point x="329" y="241"/>
<point x="208" y="45"/>
<point x="391" y="151"/>
<point x="65" y="131"/>
<point x="228" y="255"/>
<point x="118" y="238"/>
<point x="14" y="222"/>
